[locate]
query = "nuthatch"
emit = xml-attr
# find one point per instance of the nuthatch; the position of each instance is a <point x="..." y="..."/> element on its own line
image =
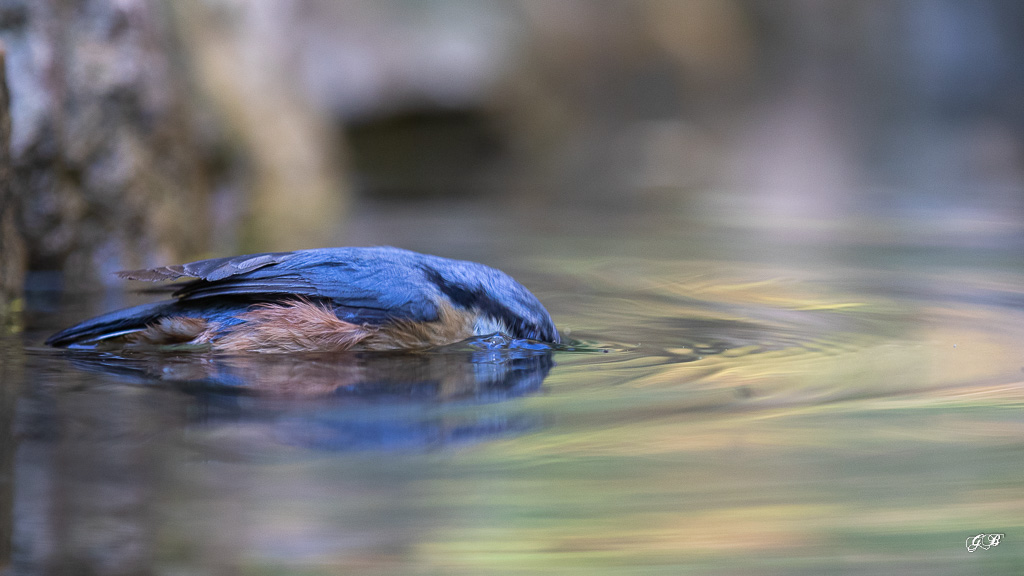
<point x="327" y="299"/>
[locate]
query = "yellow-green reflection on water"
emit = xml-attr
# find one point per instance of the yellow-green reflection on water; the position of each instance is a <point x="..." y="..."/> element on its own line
<point x="731" y="417"/>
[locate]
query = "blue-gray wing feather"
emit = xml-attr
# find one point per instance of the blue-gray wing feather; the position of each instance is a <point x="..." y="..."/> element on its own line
<point x="367" y="284"/>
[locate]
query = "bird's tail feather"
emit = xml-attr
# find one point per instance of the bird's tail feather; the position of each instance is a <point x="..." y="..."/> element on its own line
<point x="111" y="325"/>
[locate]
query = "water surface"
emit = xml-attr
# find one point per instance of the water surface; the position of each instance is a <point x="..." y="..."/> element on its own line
<point x="735" y="402"/>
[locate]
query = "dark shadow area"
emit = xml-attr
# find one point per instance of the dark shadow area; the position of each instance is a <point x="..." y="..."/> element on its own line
<point x="424" y="153"/>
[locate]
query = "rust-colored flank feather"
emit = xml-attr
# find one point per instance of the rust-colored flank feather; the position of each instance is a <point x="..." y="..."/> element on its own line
<point x="172" y="330"/>
<point x="301" y="325"/>
<point x="291" y="327"/>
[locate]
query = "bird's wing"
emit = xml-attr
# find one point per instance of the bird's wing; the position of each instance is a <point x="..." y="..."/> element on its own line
<point x="365" y="284"/>
<point x="211" y="270"/>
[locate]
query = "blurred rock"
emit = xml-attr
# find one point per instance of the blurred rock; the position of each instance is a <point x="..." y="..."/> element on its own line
<point x="12" y="271"/>
<point x="105" y="165"/>
<point x="12" y="249"/>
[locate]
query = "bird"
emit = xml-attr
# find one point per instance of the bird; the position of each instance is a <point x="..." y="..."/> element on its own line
<point x="320" y="300"/>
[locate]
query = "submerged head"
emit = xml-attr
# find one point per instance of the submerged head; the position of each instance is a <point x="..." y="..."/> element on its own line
<point x="502" y="304"/>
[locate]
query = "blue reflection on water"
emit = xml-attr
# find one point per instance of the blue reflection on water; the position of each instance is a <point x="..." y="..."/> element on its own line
<point x="354" y="401"/>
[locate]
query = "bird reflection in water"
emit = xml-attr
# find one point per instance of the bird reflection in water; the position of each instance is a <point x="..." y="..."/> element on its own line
<point x="354" y="400"/>
<point x="124" y="439"/>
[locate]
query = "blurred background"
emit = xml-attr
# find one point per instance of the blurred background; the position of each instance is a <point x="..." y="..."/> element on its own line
<point x="144" y="132"/>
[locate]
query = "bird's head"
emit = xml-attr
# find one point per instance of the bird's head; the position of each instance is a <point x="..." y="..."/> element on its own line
<point x="502" y="303"/>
